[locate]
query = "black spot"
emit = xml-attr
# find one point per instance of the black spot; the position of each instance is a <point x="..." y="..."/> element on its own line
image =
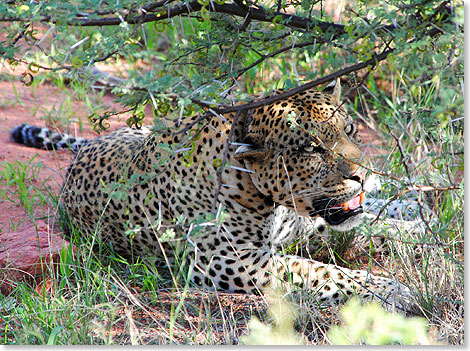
<point x="224" y="285"/>
<point x="238" y="282"/>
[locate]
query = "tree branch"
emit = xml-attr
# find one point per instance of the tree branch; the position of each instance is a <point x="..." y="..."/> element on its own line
<point x="328" y="78"/>
<point x="251" y="13"/>
<point x="237" y="8"/>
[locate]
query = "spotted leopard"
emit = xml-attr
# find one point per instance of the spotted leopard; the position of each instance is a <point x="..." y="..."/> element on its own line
<point x="292" y="166"/>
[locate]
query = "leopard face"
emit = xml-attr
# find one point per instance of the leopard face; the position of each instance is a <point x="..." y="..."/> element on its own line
<point x="305" y="154"/>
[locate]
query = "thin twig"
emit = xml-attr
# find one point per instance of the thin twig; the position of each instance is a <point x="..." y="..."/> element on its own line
<point x="224" y="160"/>
<point x="408" y="173"/>
<point x="239" y="72"/>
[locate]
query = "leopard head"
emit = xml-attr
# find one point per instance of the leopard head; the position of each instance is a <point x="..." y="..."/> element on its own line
<point x="304" y="153"/>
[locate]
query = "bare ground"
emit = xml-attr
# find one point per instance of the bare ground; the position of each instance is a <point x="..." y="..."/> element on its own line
<point x="27" y="235"/>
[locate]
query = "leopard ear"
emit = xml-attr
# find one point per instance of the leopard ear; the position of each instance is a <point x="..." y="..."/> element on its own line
<point x="334" y="89"/>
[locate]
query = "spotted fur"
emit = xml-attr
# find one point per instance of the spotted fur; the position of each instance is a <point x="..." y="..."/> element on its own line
<point x="291" y="165"/>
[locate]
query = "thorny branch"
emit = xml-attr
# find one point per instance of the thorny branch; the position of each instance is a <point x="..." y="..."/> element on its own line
<point x="224" y="109"/>
<point x="239" y="72"/>
<point x="251" y="12"/>
<point x="325" y="79"/>
<point x="163" y="11"/>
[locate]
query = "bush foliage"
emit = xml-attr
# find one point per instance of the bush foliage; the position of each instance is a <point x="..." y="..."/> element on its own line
<point x="182" y="56"/>
<point x="402" y="62"/>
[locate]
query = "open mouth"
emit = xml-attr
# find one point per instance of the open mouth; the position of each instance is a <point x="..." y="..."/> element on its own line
<point x="335" y="214"/>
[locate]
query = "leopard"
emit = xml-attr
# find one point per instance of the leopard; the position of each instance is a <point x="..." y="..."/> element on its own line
<point x="233" y="189"/>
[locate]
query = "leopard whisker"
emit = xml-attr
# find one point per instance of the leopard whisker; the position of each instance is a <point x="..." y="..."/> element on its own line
<point x="239" y="144"/>
<point x="229" y="186"/>
<point x="241" y="169"/>
<point x="297" y="196"/>
<point x="306" y="190"/>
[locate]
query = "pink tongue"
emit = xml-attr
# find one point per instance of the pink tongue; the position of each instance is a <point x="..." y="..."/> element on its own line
<point x="354" y="203"/>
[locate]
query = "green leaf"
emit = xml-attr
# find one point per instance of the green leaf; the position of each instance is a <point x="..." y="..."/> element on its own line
<point x="52" y="340"/>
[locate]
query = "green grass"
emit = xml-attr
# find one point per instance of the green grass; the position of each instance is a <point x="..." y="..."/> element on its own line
<point x="90" y="295"/>
<point x="430" y="260"/>
<point x="18" y="185"/>
<point x="109" y="301"/>
<point x="93" y="296"/>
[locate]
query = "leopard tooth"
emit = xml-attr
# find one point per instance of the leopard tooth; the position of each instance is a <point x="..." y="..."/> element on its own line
<point x="242" y="149"/>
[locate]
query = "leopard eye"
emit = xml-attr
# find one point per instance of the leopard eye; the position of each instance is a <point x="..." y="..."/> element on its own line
<point x="349" y="129"/>
<point x="310" y="149"/>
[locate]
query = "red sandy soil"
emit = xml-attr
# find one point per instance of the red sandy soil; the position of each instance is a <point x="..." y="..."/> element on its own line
<point x="26" y="239"/>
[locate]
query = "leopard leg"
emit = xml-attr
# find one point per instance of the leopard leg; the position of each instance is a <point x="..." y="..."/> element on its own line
<point x="335" y="284"/>
<point x="252" y="270"/>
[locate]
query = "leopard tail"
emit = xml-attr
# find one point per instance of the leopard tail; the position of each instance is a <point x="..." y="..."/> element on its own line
<point x="45" y="138"/>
